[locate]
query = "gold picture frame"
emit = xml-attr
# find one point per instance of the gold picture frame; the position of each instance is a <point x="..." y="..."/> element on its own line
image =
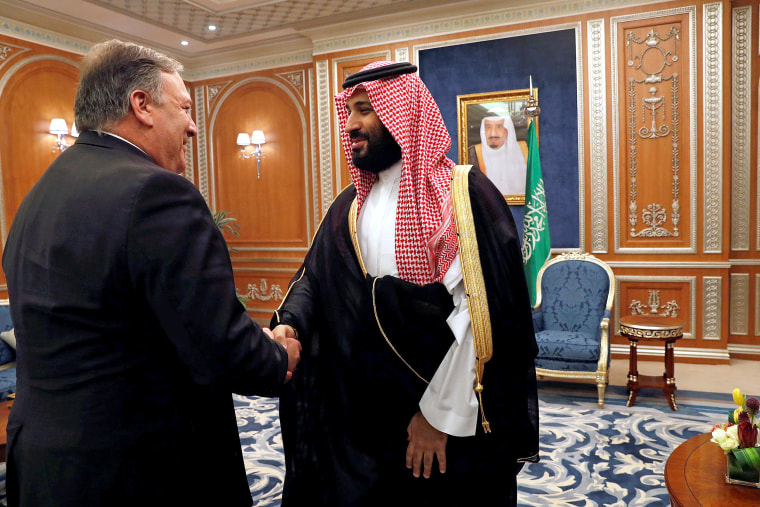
<point x="472" y="109"/>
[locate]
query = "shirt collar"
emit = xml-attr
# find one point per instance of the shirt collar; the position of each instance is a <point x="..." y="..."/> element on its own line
<point x="391" y="174"/>
<point x="128" y="142"/>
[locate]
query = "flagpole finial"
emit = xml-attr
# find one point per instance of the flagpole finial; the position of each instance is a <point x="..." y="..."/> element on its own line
<point x="531" y="109"/>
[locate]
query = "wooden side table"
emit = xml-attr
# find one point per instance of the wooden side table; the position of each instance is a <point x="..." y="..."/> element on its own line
<point x="656" y="328"/>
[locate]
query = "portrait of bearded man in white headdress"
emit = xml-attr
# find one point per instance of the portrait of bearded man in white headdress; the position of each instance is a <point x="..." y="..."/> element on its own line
<point x="499" y="155"/>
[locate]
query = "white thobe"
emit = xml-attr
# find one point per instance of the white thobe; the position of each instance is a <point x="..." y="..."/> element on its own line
<point x="449" y="402"/>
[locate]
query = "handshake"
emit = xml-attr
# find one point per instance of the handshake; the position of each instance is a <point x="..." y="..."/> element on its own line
<point x="286" y="336"/>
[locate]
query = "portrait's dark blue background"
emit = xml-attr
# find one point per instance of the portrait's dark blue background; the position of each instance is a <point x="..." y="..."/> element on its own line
<point x="506" y="64"/>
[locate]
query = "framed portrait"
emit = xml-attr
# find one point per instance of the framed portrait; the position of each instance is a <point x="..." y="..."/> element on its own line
<point x="493" y="136"/>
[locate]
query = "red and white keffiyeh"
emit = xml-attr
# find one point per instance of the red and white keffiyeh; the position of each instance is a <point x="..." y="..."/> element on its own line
<point x="426" y="242"/>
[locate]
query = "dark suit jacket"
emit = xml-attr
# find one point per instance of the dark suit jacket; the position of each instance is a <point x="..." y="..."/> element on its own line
<point x="130" y="339"/>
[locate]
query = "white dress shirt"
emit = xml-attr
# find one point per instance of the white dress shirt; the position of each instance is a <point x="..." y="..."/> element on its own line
<point x="449" y="402"/>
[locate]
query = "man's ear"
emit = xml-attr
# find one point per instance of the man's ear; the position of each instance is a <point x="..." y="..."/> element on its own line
<point x="141" y="105"/>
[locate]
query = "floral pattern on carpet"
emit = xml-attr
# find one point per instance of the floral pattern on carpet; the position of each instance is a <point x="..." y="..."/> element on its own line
<point x="589" y="457"/>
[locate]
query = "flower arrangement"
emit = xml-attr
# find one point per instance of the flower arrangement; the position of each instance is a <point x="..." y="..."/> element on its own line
<point x="738" y="440"/>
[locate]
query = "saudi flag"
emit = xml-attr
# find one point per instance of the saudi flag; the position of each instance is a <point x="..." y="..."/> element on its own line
<point x="536" y="247"/>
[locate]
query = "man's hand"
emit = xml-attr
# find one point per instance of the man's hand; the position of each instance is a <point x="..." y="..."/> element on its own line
<point x="425" y="442"/>
<point x="286" y="336"/>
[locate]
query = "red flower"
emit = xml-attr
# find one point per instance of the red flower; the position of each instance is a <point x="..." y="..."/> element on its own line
<point x="753" y="405"/>
<point x="747" y="435"/>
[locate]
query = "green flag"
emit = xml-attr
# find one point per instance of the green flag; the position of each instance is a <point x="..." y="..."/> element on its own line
<point x="536" y="247"/>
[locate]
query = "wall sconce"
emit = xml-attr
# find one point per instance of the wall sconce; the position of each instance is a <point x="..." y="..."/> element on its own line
<point x="59" y="128"/>
<point x="257" y="138"/>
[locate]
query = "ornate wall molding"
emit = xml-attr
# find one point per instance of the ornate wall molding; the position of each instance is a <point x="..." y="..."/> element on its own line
<point x="739" y="304"/>
<point x="741" y="348"/>
<point x="712" y="102"/>
<point x="741" y="102"/>
<point x="9" y="51"/>
<point x="711" y="307"/>
<point x="213" y="91"/>
<point x="458" y="23"/>
<point x="190" y="161"/>
<point x="597" y="72"/>
<point x="691" y="280"/>
<point x="402" y="55"/>
<point x="190" y="156"/>
<point x="47" y="38"/>
<point x="264" y="291"/>
<point x="241" y="67"/>
<point x="200" y="139"/>
<point x="296" y="80"/>
<point x="653" y="215"/>
<point x="324" y="114"/>
<point x="312" y="105"/>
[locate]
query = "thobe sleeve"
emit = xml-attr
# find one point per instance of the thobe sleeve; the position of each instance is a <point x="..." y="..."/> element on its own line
<point x="449" y="403"/>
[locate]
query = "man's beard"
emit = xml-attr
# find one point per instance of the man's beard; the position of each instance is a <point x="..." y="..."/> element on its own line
<point x="382" y="150"/>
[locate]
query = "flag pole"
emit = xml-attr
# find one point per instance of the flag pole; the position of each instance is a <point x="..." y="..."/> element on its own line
<point x="536" y="247"/>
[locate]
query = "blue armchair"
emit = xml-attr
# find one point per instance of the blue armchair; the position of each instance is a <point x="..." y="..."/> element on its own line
<point x="7" y="354"/>
<point x="574" y="295"/>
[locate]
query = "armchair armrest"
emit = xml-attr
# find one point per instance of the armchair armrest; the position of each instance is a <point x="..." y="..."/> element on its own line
<point x="538" y="319"/>
<point x="604" y="352"/>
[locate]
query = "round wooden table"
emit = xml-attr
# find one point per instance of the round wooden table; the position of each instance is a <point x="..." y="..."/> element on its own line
<point x="694" y="476"/>
<point x="651" y="327"/>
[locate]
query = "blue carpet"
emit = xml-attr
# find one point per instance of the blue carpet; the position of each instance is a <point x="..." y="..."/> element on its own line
<point x="589" y="457"/>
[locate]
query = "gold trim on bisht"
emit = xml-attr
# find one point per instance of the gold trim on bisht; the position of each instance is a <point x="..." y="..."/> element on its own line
<point x="472" y="272"/>
<point x="353" y="212"/>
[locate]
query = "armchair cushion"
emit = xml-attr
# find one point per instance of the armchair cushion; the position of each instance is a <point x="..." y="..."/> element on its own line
<point x="570" y="346"/>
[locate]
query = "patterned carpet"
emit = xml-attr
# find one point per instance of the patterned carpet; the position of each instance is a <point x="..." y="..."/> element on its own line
<point x="589" y="457"/>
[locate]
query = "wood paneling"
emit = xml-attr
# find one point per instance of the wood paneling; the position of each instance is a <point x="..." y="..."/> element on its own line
<point x="271" y="211"/>
<point x="33" y="96"/>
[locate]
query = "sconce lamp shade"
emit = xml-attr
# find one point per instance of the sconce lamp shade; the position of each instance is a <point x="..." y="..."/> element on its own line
<point x="58" y="126"/>
<point x="243" y="139"/>
<point x="74" y="131"/>
<point x="257" y="137"/>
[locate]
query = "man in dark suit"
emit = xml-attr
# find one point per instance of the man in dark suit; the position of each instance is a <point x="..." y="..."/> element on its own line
<point x="130" y="336"/>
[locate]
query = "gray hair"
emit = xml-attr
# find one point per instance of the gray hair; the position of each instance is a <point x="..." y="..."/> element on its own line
<point x="111" y="71"/>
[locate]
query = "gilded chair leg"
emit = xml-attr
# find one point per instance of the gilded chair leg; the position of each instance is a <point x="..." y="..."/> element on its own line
<point x="600" y="386"/>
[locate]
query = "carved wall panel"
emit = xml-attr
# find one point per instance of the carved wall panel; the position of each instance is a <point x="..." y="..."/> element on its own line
<point x="741" y="112"/>
<point x="673" y="296"/>
<point x="597" y="72"/>
<point x="262" y="289"/>
<point x="654" y="131"/>
<point x="739" y="287"/>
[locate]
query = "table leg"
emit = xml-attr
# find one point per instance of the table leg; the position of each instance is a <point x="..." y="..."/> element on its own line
<point x="670" y="379"/>
<point x="633" y="373"/>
